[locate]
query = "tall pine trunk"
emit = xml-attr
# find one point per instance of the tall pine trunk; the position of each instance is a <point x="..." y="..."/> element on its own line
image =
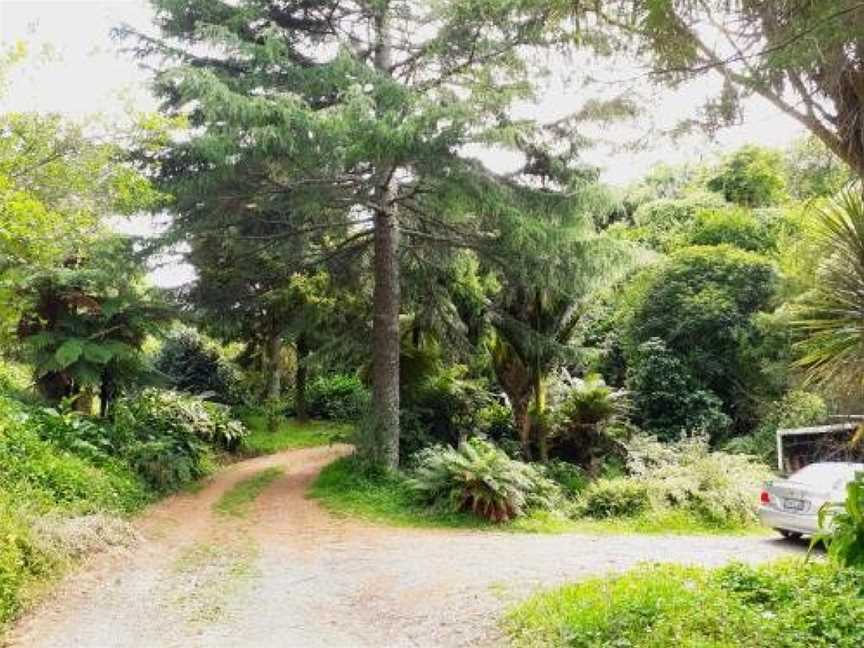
<point x="386" y="296"/>
<point x="274" y="357"/>
<point x="300" y="408"/>
<point x="540" y="430"/>
<point x="522" y="418"/>
<point x="385" y="333"/>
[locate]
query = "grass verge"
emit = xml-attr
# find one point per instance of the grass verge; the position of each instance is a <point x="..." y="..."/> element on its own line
<point x="290" y="435"/>
<point x="237" y="500"/>
<point x="345" y="488"/>
<point x="738" y="606"/>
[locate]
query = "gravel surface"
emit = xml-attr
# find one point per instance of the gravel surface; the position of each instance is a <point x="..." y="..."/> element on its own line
<point x="290" y="574"/>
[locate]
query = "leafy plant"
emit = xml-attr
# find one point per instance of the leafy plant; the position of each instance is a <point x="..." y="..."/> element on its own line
<point x="605" y="498"/>
<point x="751" y="176"/>
<point x="337" y="397"/>
<point x="571" y="478"/>
<point x="718" y="487"/>
<point x="667" y="399"/>
<point x="842" y="526"/>
<point x="168" y="436"/>
<point x="191" y="363"/>
<point x="831" y="318"/>
<point x="480" y="478"/>
<point x="87" y="322"/>
<point x="738" y="606"/>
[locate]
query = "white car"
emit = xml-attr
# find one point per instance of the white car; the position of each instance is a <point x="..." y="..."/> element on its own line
<point x="791" y="506"/>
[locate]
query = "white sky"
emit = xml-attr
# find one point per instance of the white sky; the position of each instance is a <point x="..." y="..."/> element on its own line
<point x="85" y="74"/>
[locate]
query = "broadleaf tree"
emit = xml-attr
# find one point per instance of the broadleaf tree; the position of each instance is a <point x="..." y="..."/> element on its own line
<point x="805" y="58"/>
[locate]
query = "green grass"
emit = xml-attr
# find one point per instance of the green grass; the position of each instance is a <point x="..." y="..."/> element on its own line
<point x="237" y="500"/>
<point x="790" y="603"/>
<point x="345" y="488"/>
<point x="290" y="435"/>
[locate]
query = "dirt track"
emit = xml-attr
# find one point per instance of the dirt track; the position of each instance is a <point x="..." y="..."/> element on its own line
<point x="290" y="574"/>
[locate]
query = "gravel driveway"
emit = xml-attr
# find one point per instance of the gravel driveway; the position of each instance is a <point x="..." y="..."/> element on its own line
<point x="289" y="574"/>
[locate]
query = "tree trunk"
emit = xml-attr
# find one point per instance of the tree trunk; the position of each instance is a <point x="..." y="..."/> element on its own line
<point x="300" y="408"/>
<point x="274" y="355"/>
<point x="522" y="418"/>
<point x="539" y="411"/>
<point x="106" y="392"/>
<point x="385" y="335"/>
<point x="386" y="296"/>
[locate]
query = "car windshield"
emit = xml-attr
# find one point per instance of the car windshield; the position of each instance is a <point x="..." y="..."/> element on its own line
<point x="827" y="474"/>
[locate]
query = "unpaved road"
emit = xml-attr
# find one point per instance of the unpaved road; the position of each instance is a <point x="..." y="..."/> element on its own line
<point x="290" y="574"/>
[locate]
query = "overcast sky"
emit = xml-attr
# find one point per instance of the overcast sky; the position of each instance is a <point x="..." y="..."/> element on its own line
<point x="85" y="74"/>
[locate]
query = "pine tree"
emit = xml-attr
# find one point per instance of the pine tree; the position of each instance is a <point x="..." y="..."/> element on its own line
<point x="349" y="112"/>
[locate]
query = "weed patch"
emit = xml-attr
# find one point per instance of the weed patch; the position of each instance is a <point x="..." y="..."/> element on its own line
<point x="738" y="606"/>
<point x="237" y="500"/>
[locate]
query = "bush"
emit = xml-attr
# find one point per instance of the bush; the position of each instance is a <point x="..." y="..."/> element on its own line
<point x="570" y="477"/>
<point x="667" y="400"/>
<point x="751" y="176"/>
<point x="702" y="304"/>
<point x="480" y="478"/>
<point x="336" y="397"/>
<point x="660" y="223"/>
<point x="444" y="407"/>
<point x="795" y="409"/>
<point x="735" y="227"/>
<point x="842" y="526"/>
<point x="192" y="364"/>
<point x="581" y="412"/>
<point x="738" y="606"/>
<point x="607" y="498"/>
<point x="719" y="488"/>
<point x="21" y="559"/>
<point x="39" y="471"/>
<point x="166" y="436"/>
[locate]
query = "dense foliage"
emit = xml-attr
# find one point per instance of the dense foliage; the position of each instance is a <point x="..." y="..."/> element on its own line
<point x="482" y="479"/>
<point x="58" y="465"/>
<point x="740" y="606"/>
<point x="190" y="363"/>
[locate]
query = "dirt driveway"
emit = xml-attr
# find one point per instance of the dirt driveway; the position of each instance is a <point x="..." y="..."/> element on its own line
<point x="289" y="574"/>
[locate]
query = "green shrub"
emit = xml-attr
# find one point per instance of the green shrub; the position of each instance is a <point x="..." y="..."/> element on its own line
<point x="167" y="436"/>
<point x="738" y="606"/>
<point x="480" y="478"/>
<point x="167" y="412"/>
<point x="443" y="408"/>
<point x="842" y="526"/>
<point x="660" y="223"/>
<point x="607" y="498"/>
<point x="751" y="176"/>
<point x="580" y="415"/>
<point x="719" y="488"/>
<point x="570" y="477"/>
<point x="495" y="421"/>
<point x="336" y="397"/>
<point x="701" y="305"/>
<point x="736" y="227"/>
<point x="190" y="363"/>
<point x="21" y="559"/>
<point x="795" y="409"/>
<point x="667" y="400"/>
<point x="36" y="469"/>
